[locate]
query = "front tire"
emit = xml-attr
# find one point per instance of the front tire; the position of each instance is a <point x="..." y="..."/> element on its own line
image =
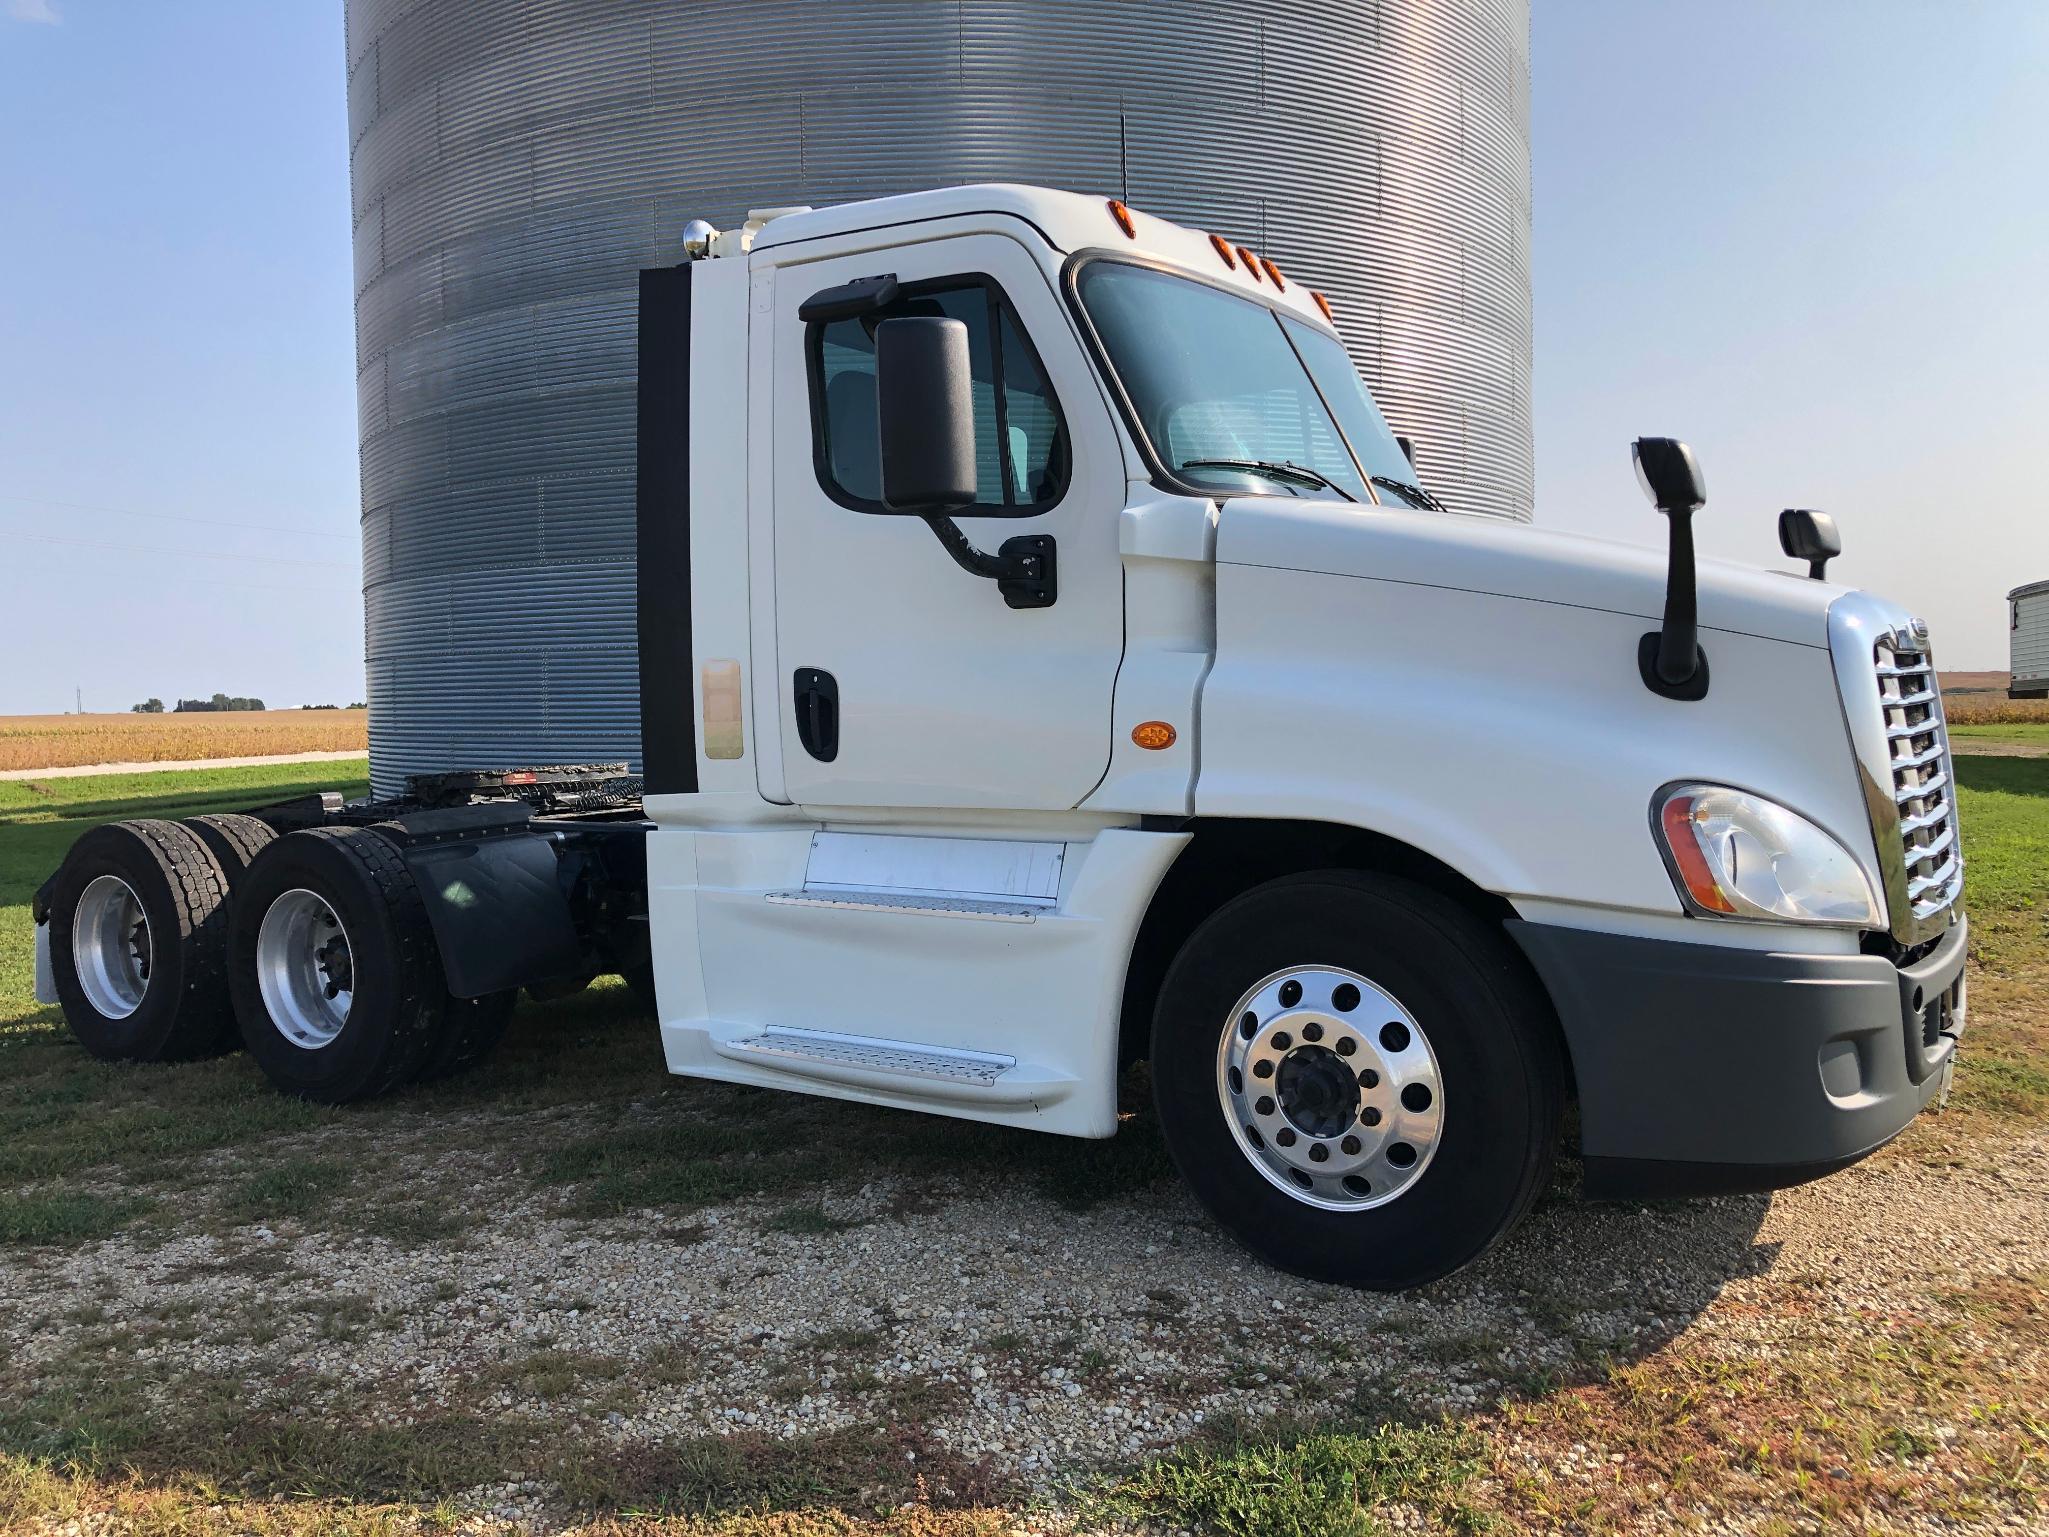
<point x="1357" y="1077"/>
<point x="336" y="978"/>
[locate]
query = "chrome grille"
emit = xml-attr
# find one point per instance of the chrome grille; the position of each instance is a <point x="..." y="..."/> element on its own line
<point x="1924" y="797"/>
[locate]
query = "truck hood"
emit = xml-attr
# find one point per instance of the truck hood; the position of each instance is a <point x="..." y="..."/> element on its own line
<point x="1469" y="553"/>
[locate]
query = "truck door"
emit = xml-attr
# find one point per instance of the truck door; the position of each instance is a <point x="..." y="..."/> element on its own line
<point x="904" y="680"/>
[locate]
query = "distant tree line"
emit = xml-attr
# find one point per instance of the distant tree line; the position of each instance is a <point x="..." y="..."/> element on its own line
<point x="154" y="706"/>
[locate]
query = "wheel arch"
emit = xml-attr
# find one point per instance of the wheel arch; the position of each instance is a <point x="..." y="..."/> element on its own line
<point x="1227" y="856"/>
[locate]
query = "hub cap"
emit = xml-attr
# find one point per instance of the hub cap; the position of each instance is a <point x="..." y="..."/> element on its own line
<point x="305" y="969"/>
<point x="110" y="947"/>
<point x="1330" y="1087"/>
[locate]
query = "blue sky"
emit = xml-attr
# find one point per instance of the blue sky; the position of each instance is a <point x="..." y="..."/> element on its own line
<point x="1810" y="238"/>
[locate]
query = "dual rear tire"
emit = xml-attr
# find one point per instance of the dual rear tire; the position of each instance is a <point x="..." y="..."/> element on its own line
<point x="313" y="950"/>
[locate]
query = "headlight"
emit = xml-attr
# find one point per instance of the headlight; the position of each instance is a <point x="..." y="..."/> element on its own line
<point x="1737" y="855"/>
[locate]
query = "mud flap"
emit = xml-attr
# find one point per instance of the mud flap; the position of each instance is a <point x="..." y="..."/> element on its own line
<point x="493" y="897"/>
<point x="46" y="975"/>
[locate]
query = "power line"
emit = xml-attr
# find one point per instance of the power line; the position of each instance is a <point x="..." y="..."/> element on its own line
<point x="159" y="549"/>
<point x="176" y="517"/>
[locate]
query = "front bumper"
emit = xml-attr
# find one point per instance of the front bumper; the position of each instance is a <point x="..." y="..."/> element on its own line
<point x="1705" y="1070"/>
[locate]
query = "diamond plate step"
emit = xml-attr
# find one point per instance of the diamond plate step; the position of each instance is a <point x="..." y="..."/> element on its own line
<point x="998" y="910"/>
<point x="903" y="1059"/>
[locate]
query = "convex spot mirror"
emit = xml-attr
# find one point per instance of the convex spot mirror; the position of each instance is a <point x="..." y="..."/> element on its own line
<point x="1810" y="536"/>
<point x="925" y="414"/>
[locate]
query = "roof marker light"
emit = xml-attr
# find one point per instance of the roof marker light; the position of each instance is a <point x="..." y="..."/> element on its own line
<point x="1123" y="217"/>
<point x="1324" y="305"/>
<point x="1251" y="263"/>
<point x="1223" y="248"/>
<point x="1274" y="272"/>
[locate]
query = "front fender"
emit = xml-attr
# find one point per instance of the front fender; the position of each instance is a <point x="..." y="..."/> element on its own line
<point x="1511" y="738"/>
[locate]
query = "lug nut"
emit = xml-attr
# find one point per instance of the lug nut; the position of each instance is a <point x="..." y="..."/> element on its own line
<point x="1264" y="1105"/>
<point x="1350" y="1147"/>
<point x="1312" y="1031"/>
<point x="1369" y="1116"/>
<point x="1368" y="1078"/>
<point x="1285" y="1136"/>
<point x="1262" y="1069"/>
<point x="1282" y="1040"/>
<point x="1346" y="1045"/>
<point x="1318" y="1153"/>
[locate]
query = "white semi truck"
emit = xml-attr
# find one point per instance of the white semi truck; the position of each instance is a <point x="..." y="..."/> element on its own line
<point x="1050" y="659"/>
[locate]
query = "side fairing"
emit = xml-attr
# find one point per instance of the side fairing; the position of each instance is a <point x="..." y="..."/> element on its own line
<point x="1510" y="737"/>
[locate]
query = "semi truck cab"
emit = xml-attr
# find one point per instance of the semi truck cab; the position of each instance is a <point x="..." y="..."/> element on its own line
<point x="1050" y="660"/>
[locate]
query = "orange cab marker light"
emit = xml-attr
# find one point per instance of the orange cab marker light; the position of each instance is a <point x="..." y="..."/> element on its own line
<point x="1154" y="735"/>
<point x="1274" y="272"/>
<point x="1251" y="263"/>
<point x="1677" y="816"/>
<point x="1324" y="305"/>
<point x="1123" y="217"/>
<point x="1224" y="250"/>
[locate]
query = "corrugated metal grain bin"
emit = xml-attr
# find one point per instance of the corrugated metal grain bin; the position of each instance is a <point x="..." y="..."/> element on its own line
<point x="515" y="162"/>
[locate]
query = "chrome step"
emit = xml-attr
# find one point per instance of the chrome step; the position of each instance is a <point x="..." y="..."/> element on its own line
<point x="998" y="910"/>
<point x="902" y="1059"/>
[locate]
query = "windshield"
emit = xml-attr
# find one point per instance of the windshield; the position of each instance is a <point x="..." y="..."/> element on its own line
<point x="1234" y="396"/>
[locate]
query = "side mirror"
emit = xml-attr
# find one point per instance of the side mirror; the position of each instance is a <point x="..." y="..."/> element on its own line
<point x="925" y="415"/>
<point x="1669" y="474"/>
<point x="925" y="412"/>
<point x="1810" y="536"/>
<point x="1670" y="659"/>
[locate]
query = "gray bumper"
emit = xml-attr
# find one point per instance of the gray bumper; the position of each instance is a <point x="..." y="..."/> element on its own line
<point x="1702" y="1069"/>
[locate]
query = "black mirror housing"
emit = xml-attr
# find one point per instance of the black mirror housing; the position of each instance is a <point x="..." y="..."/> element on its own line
<point x="1810" y="536"/>
<point x="925" y="411"/>
<point x="1669" y="474"/>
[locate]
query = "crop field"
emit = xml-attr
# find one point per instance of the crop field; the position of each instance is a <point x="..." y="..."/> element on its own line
<point x="70" y="741"/>
<point x="571" y="1294"/>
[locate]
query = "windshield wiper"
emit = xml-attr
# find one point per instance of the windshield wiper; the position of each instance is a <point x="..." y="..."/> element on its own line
<point x="1413" y="492"/>
<point x="1273" y="469"/>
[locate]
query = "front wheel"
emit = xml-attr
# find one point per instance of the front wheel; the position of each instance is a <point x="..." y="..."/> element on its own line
<point x="1357" y="1077"/>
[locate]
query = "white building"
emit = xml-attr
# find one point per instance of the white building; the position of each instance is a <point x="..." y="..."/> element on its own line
<point x="2028" y="642"/>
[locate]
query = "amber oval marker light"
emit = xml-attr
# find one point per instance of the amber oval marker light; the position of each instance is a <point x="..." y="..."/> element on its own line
<point x="1324" y="305"/>
<point x="1274" y="272"/>
<point x="1123" y="217"/>
<point x="1223" y="249"/>
<point x="1154" y="735"/>
<point x="1251" y="262"/>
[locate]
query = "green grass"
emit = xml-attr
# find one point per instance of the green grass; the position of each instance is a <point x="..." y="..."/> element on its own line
<point x="1293" y="1480"/>
<point x="2033" y="733"/>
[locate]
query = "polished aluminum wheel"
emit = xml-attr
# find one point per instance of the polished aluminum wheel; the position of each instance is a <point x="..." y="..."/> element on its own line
<point x="305" y="969"/>
<point x="1330" y="1088"/>
<point x="111" y="947"/>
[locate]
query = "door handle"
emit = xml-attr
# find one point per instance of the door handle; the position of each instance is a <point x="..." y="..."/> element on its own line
<point x="817" y="696"/>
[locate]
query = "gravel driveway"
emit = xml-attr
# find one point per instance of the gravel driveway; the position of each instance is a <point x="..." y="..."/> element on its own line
<point x="1017" y="1346"/>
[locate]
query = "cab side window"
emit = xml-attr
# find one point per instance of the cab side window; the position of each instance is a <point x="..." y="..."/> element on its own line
<point x="1020" y="440"/>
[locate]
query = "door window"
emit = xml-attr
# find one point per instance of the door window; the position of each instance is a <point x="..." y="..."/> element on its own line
<point x="1020" y="440"/>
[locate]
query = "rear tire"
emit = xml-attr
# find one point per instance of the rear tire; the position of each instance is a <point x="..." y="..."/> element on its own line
<point x="1357" y="1077"/>
<point x="234" y="841"/>
<point x="138" y="944"/>
<point x="336" y="978"/>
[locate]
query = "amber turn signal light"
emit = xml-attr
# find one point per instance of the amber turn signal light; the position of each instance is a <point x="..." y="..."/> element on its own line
<point x="1251" y="263"/>
<point x="1223" y="249"/>
<point x="1275" y="273"/>
<point x="1324" y="305"/>
<point x="1153" y="735"/>
<point x="1123" y="217"/>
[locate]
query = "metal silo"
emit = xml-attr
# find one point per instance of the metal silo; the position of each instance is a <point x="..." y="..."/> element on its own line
<point x="515" y="162"/>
